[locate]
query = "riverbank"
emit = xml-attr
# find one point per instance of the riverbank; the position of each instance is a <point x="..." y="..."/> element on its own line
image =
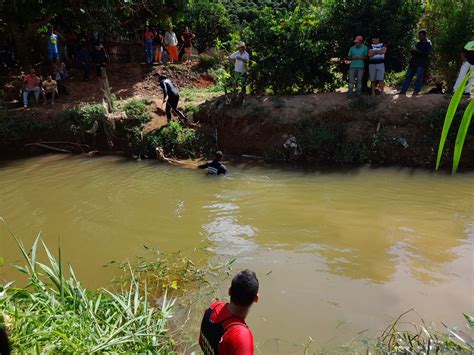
<point x="323" y="129"/>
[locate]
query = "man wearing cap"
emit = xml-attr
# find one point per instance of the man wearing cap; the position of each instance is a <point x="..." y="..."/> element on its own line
<point x="170" y="97"/>
<point x="223" y="327"/>
<point x="357" y="55"/>
<point x="467" y="56"/>
<point x="377" y="52"/>
<point x="241" y="59"/>
<point x="420" y="55"/>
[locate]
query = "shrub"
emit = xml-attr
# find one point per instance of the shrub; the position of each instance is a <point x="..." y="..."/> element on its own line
<point x="137" y="111"/>
<point x="84" y="116"/>
<point x="450" y="24"/>
<point x="341" y="21"/>
<point x="288" y="55"/>
<point x="206" y="61"/>
<point x="209" y="21"/>
<point x="17" y="127"/>
<point x="177" y="141"/>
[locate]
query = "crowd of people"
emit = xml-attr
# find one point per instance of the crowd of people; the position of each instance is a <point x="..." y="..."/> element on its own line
<point x="365" y="57"/>
<point x="372" y="57"/>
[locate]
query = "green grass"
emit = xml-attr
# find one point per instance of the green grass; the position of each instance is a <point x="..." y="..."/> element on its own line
<point x="56" y="314"/>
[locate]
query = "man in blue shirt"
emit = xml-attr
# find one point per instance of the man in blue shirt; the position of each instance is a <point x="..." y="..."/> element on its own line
<point x="53" y="52"/>
<point x="357" y="55"/>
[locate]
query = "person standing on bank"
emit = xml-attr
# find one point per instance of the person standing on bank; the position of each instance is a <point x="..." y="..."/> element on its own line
<point x="467" y="55"/>
<point x="187" y="38"/>
<point x="170" y="98"/>
<point x="357" y="55"/>
<point x="223" y="327"/>
<point x="241" y="59"/>
<point x="171" y="43"/>
<point x="148" y="37"/>
<point x="53" y="51"/>
<point x="420" y="55"/>
<point x="376" y="54"/>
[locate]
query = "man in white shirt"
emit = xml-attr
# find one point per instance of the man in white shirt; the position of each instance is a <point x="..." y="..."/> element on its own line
<point x="171" y="43"/>
<point x="241" y="59"/>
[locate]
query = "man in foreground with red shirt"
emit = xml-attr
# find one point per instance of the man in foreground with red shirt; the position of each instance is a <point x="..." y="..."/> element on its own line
<point x="223" y="328"/>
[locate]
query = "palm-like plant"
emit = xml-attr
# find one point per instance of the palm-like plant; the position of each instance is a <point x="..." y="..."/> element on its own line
<point x="463" y="127"/>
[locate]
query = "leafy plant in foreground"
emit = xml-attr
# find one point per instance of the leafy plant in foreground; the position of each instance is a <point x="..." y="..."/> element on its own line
<point x="56" y="314"/>
<point x="463" y="127"/>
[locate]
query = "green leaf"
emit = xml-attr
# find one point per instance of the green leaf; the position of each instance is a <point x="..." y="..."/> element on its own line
<point x="448" y="120"/>
<point x="461" y="136"/>
<point x="470" y="320"/>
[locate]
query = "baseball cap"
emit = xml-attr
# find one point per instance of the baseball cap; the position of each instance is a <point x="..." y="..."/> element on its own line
<point x="359" y="38"/>
<point x="469" y="46"/>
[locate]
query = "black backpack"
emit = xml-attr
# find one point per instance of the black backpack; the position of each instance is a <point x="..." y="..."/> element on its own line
<point x="212" y="333"/>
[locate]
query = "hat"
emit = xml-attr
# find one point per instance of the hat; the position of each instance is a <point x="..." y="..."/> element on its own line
<point x="359" y="39"/>
<point x="241" y="44"/>
<point x="425" y="32"/>
<point x="469" y="46"/>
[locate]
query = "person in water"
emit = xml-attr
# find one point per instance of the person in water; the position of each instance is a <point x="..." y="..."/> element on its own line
<point x="215" y="167"/>
<point x="223" y="327"/>
<point x="170" y="97"/>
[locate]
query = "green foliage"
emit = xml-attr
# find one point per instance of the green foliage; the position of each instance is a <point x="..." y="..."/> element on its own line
<point x="209" y="21"/>
<point x="177" y="141"/>
<point x="326" y="143"/>
<point x="55" y="314"/>
<point x="463" y="127"/>
<point x="137" y="111"/>
<point x="289" y="56"/>
<point x="16" y="127"/>
<point x="206" y="62"/>
<point x="394" y="20"/>
<point x="241" y="11"/>
<point x="450" y="24"/>
<point x="422" y="340"/>
<point x="83" y="116"/>
<point x="223" y="78"/>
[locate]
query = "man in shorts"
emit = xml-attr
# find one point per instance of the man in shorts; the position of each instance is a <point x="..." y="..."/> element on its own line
<point x="376" y="54"/>
<point x="223" y="327"/>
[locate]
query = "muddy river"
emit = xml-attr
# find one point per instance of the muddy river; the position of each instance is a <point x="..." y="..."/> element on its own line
<point x="337" y="252"/>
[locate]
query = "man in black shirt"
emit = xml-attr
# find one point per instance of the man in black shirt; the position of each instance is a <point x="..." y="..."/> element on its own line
<point x="420" y="54"/>
<point x="215" y="167"/>
<point x="170" y="97"/>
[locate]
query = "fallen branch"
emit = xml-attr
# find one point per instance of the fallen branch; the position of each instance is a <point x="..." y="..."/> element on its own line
<point x="48" y="147"/>
<point x="61" y="142"/>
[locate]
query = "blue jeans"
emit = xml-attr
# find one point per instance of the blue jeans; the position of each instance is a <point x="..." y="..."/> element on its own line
<point x="411" y="72"/>
<point x="149" y="50"/>
<point x="36" y="90"/>
<point x="353" y="74"/>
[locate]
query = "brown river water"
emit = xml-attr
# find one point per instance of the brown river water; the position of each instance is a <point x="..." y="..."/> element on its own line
<point x="336" y="252"/>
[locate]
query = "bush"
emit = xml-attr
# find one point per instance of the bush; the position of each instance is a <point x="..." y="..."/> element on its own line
<point x="287" y="52"/>
<point x="394" y="20"/>
<point x="209" y="21"/>
<point x="137" y="111"/>
<point x="84" y="115"/>
<point x="206" y="62"/>
<point x="450" y="24"/>
<point x="176" y="141"/>
<point x="17" y="127"/>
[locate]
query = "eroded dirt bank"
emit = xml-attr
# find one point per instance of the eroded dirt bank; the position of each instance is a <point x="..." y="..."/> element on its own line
<point x="330" y="129"/>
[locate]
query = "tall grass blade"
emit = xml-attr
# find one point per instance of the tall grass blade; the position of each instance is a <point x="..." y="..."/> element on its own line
<point x="448" y="120"/>
<point x="461" y="136"/>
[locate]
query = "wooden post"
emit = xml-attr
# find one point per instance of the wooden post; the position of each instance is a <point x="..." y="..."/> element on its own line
<point x="106" y="89"/>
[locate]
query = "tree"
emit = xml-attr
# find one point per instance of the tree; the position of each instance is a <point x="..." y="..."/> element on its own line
<point x="287" y="52"/>
<point x="450" y="24"/>
<point x="24" y="19"/>
<point x="394" y="20"/>
<point x="209" y="21"/>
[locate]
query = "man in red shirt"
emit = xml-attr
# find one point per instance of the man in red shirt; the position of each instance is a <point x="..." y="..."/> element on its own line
<point x="31" y="83"/>
<point x="223" y="327"/>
